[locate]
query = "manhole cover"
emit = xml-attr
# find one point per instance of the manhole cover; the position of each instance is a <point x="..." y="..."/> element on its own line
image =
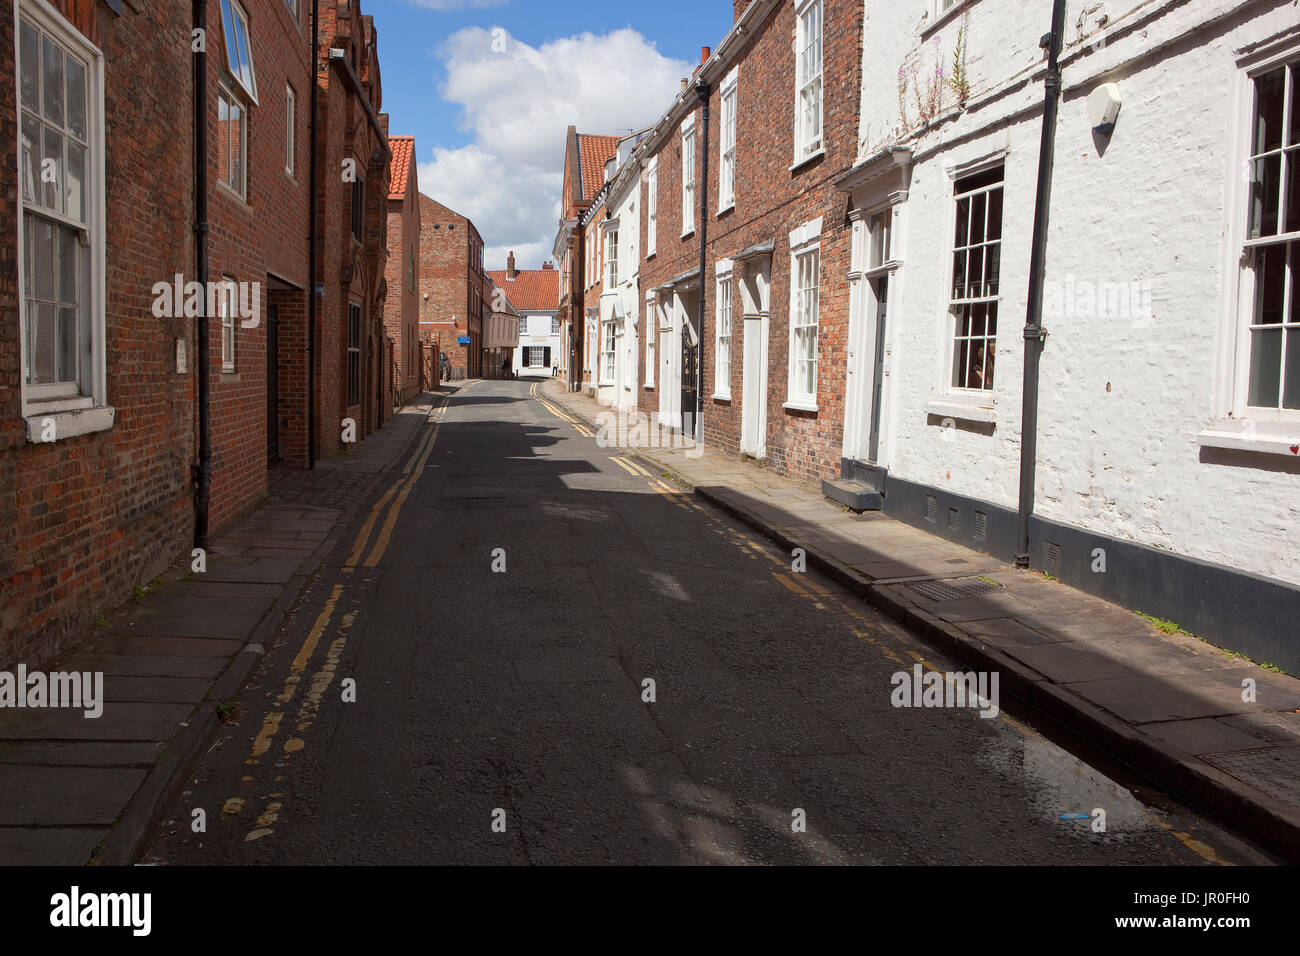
<point x="953" y="588"/>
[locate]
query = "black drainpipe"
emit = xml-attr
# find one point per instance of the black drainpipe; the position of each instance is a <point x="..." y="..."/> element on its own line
<point x="311" y="244"/>
<point x="1034" y="333"/>
<point x="703" y="90"/>
<point x="203" y="472"/>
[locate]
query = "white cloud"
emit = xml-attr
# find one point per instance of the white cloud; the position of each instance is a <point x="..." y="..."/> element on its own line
<point x="517" y="105"/>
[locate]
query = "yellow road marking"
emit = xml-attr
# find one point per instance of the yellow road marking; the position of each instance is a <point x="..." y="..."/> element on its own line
<point x="622" y="464"/>
<point x="386" y="532"/>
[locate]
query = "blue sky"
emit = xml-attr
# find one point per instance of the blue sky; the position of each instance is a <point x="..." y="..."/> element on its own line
<point x="489" y="126"/>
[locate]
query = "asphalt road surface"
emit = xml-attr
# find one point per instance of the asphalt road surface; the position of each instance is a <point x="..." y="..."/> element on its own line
<point x="501" y="716"/>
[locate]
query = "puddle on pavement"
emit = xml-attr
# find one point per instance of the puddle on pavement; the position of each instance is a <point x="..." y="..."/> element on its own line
<point x="1057" y="783"/>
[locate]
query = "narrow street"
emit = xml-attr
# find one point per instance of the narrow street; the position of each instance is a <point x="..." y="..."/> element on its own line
<point x="520" y="689"/>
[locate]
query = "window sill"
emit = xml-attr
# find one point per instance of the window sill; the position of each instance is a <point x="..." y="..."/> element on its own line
<point x="799" y="164"/>
<point x="800" y="406"/>
<point x="943" y="18"/>
<point x="70" y="423"/>
<point x="1269" y="439"/>
<point x="649" y="388"/>
<point x="649" y="256"/>
<point x="967" y="411"/>
<point x="721" y="398"/>
<point x="687" y="235"/>
<point x="729" y="207"/>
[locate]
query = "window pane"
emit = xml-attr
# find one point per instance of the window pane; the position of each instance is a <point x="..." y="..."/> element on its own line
<point x="69" y="260"/>
<point x="54" y="190"/>
<point x="1270" y="278"/>
<point x="75" y="182"/>
<point x="960" y="356"/>
<point x="66" y="359"/>
<point x="1294" y="136"/>
<point x="237" y="147"/>
<point x="76" y="98"/>
<point x="976" y="320"/>
<point x="245" y="72"/>
<point x="993" y="319"/>
<point x="992" y="259"/>
<point x="42" y="345"/>
<point x="963" y="222"/>
<point x="42" y="254"/>
<point x="1265" y="367"/>
<point x="977" y="217"/>
<point x="1291" y="392"/>
<point x="958" y="275"/>
<point x="232" y="57"/>
<point x="1264" y="197"/>
<point x="31" y="153"/>
<point x="995" y="214"/>
<point x="1269" y="92"/>
<point x="1292" y="191"/>
<point x="52" y="80"/>
<point x="29" y="53"/>
<point x="990" y="353"/>
<point x="974" y="271"/>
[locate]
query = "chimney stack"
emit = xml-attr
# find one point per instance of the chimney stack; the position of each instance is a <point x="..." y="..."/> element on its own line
<point x="511" y="271"/>
<point x="704" y="55"/>
<point x="548" y="265"/>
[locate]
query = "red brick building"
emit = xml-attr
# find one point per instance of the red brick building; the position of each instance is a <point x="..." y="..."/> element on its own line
<point x="782" y="126"/>
<point x="99" y="397"/>
<point x="454" y="288"/>
<point x="578" y="250"/>
<point x="402" y="305"/>
<point x="352" y="210"/>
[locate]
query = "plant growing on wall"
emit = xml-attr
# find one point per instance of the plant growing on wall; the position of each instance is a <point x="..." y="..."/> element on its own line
<point x="959" y="82"/>
<point x="902" y="99"/>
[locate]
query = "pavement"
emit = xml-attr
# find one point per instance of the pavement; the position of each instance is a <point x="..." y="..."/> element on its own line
<point x="81" y="790"/>
<point x="1169" y="706"/>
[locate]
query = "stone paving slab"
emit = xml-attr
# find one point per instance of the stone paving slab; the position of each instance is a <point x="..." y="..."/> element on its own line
<point x="65" y="796"/>
<point x="119" y="721"/>
<point x="48" y="846"/>
<point x="51" y="753"/>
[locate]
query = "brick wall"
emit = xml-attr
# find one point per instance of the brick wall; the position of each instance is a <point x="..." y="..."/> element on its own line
<point x="772" y="200"/>
<point x="84" y="519"/>
<point x="402" y="306"/>
<point x="453" y="285"/>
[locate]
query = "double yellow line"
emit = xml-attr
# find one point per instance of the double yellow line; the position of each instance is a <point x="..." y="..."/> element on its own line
<point x="631" y="467"/>
<point x="560" y="413"/>
<point x="397" y="495"/>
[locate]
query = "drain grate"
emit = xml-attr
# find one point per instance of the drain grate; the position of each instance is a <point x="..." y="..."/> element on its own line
<point x="953" y="588"/>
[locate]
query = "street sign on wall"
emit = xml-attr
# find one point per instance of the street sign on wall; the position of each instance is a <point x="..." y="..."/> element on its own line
<point x="462" y="339"/>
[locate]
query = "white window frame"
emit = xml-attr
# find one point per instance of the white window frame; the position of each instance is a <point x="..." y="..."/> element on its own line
<point x="232" y="30"/>
<point x="723" y="328"/>
<point x="727" y="155"/>
<point x="652" y="208"/>
<point x="804" y="242"/>
<point x="225" y="95"/>
<point x="688" y="175"/>
<point x="608" y="350"/>
<point x="611" y="257"/>
<point x="1245" y="246"/>
<point x="975" y="397"/>
<point x="651" y="333"/>
<point x="80" y="406"/>
<point x="290" y="117"/>
<point x="808" y="146"/>
<point x="227" y="311"/>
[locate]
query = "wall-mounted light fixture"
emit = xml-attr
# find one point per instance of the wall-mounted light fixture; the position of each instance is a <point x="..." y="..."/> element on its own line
<point x="1103" y="108"/>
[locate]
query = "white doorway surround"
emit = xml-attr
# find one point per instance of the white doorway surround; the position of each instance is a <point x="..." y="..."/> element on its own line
<point x="754" y="296"/>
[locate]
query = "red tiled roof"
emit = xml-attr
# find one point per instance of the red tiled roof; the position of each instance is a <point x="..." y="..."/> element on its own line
<point x="593" y="151"/>
<point x="531" y="290"/>
<point x="403" y="151"/>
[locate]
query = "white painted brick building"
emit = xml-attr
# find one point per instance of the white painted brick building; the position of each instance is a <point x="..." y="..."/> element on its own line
<point x="1168" y="429"/>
